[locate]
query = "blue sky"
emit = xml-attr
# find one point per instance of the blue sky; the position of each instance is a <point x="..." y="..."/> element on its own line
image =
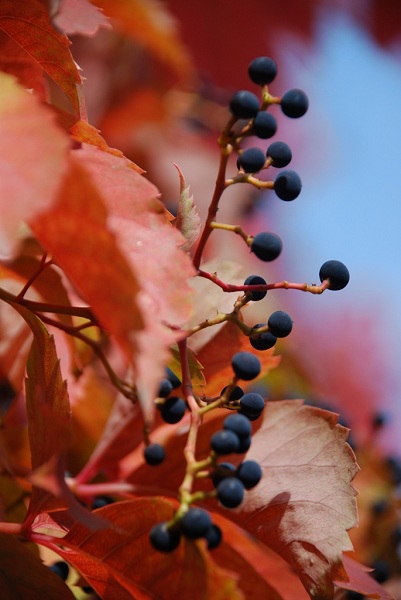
<point x="347" y="150"/>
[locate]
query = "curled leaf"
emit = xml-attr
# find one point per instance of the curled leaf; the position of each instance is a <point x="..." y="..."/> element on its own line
<point x="188" y="219"/>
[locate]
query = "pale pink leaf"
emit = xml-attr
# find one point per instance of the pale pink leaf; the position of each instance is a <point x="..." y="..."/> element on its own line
<point x="77" y="17"/>
<point x="188" y="218"/>
<point x="305" y="503"/>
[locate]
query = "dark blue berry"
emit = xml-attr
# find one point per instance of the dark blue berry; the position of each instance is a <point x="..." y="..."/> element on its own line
<point x="280" y="324"/>
<point x="251" y="160"/>
<point x="230" y="492"/>
<point x="336" y="272"/>
<point x="223" y="470"/>
<point x="224" y="442"/>
<point x="172" y="377"/>
<point x="280" y="153"/>
<point x="262" y="341"/>
<point x="262" y="70"/>
<point x="267" y="246"/>
<point x="163" y="538"/>
<point x="173" y="409"/>
<point x="250" y="473"/>
<point x="246" y="365"/>
<point x="255" y="280"/>
<point x="154" y="454"/>
<point x="382" y="570"/>
<point x="236" y="393"/>
<point x="294" y="103"/>
<point x="264" y="125"/>
<point x="101" y="501"/>
<point x="244" y="444"/>
<point x="251" y="405"/>
<point x="244" y="105"/>
<point x="195" y="523"/>
<point x="238" y="424"/>
<point x="61" y="569"/>
<point x="165" y="388"/>
<point x="213" y="536"/>
<point x="287" y="185"/>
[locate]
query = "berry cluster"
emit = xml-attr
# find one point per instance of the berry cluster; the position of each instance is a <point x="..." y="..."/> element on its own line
<point x="230" y="482"/>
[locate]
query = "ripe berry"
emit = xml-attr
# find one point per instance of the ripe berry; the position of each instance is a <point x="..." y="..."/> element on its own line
<point x="238" y="424"/>
<point x="280" y="153"/>
<point x="173" y="409"/>
<point x="244" y="444"/>
<point x="250" y="473"/>
<point x="294" y="103"/>
<point x="255" y="280"/>
<point x="262" y="341"/>
<point x="236" y="393"/>
<point x="280" y="324"/>
<point x="101" y="501"/>
<point x="213" y="536"/>
<point x="288" y="185"/>
<point x="266" y="246"/>
<point x="172" y="377"/>
<point x="244" y="105"/>
<point x="336" y="272"/>
<point x="251" y="160"/>
<point x="163" y="538"/>
<point x="264" y="125"/>
<point x="154" y="454"/>
<point x="224" y="442"/>
<point x="230" y="492"/>
<point x="252" y="405"/>
<point x="246" y="365"/>
<point x="223" y="470"/>
<point x="262" y="70"/>
<point x="165" y="388"/>
<point x="195" y="523"/>
<point x="61" y="569"/>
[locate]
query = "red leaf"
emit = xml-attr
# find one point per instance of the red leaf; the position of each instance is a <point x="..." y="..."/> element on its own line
<point x="123" y="565"/>
<point x="32" y="157"/>
<point x="78" y="17"/>
<point x="22" y="574"/>
<point x="88" y="253"/>
<point x="305" y="503"/>
<point x="29" y="25"/>
<point x="262" y="573"/>
<point x="360" y="581"/>
<point x="15" y="61"/>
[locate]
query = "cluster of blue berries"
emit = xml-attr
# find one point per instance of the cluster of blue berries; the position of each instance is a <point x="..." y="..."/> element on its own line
<point x="230" y="482"/>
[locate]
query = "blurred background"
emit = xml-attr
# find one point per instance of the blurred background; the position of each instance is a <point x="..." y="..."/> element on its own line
<point x="158" y="86"/>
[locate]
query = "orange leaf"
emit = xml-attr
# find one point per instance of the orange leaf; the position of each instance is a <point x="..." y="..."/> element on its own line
<point x="15" y="61"/>
<point x="216" y="356"/>
<point x="29" y="25"/>
<point x="122" y="564"/>
<point x="305" y="503"/>
<point x="32" y="157"/>
<point x="152" y="26"/>
<point x="75" y="231"/>
<point x="22" y="574"/>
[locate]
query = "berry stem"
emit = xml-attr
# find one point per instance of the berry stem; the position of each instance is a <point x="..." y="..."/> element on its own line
<point x="286" y="285"/>
<point x="235" y="228"/>
<point x="42" y="265"/>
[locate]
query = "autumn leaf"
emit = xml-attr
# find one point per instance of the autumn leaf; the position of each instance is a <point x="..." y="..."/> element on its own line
<point x="188" y="219"/>
<point x="152" y="26"/>
<point x="15" y="61"/>
<point x="305" y="503"/>
<point x="32" y="156"/>
<point x="28" y="24"/>
<point x="78" y="17"/>
<point x="124" y="565"/>
<point x="88" y="253"/>
<point x="23" y="575"/>
<point x="361" y="582"/>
